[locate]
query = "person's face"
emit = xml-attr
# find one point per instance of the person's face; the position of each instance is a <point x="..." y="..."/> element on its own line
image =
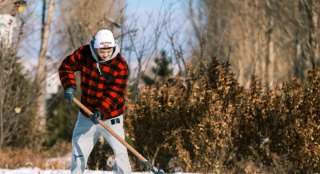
<point x="105" y="53"/>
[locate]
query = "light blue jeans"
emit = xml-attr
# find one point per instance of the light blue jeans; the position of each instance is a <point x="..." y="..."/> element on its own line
<point x="85" y="136"/>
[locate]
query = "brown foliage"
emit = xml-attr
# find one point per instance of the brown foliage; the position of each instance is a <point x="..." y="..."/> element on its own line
<point x="12" y="158"/>
<point x="207" y="123"/>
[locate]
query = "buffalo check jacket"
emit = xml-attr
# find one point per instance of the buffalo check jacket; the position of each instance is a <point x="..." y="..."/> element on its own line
<point x="103" y="84"/>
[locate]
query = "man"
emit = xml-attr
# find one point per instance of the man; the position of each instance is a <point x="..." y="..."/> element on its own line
<point x="104" y="75"/>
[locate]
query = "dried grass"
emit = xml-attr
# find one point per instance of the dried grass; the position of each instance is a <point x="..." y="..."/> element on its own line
<point x="12" y="158"/>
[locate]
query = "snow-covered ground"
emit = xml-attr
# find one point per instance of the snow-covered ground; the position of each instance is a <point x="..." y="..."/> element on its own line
<point x="38" y="171"/>
<point x="66" y="162"/>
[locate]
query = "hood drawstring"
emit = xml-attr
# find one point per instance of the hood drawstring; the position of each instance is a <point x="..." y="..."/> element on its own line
<point x="93" y="52"/>
<point x="97" y="65"/>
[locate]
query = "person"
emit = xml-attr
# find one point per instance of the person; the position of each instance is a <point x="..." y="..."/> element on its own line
<point x="104" y="76"/>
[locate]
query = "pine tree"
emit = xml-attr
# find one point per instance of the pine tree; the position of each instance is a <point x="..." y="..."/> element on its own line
<point x="161" y="71"/>
<point x="17" y="103"/>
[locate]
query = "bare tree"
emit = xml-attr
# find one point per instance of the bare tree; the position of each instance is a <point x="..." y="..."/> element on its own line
<point x="82" y="19"/>
<point x="270" y="39"/>
<point x="153" y="36"/>
<point x="41" y="72"/>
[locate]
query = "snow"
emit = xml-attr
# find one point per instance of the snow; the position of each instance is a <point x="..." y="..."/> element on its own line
<point x="38" y="171"/>
<point x="66" y="162"/>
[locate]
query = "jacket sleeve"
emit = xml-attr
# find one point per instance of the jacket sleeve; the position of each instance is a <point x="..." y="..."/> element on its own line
<point x="114" y="94"/>
<point x="69" y="65"/>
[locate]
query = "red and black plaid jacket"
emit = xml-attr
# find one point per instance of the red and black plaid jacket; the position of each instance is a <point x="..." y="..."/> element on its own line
<point x="104" y="93"/>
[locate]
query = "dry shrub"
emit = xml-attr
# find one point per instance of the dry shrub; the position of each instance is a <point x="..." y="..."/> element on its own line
<point x="12" y="158"/>
<point x="60" y="148"/>
<point x="281" y="166"/>
<point x="207" y="123"/>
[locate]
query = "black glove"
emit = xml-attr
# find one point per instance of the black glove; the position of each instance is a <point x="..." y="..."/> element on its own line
<point x="96" y="116"/>
<point x="69" y="93"/>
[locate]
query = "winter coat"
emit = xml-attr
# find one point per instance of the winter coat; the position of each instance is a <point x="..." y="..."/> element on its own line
<point x="103" y="83"/>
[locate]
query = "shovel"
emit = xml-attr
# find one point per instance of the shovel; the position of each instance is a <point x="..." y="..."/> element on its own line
<point x="145" y="161"/>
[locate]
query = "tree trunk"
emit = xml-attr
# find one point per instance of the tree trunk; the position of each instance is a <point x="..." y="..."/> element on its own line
<point x="136" y="90"/>
<point x="271" y="61"/>
<point x="298" y="68"/>
<point x="314" y="35"/>
<point x="41" y="73"/>
<point x="312" y="16"/>
<point x="269" y="58"/>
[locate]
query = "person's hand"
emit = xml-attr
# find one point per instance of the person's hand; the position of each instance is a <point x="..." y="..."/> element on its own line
<point x="95" y="117"/>
<point x="69" y="94"/>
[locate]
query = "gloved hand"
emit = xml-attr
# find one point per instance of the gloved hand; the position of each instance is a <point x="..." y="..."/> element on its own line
<point x="69" y="93"/>
<point x="96" y="116"/>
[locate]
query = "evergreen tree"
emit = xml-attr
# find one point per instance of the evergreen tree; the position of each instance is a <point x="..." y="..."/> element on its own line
<point x="19" y="126"/>
<point x="161" y="71"/>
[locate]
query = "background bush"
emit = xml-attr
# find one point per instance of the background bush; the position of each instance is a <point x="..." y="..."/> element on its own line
<point x="19" y="125"/>
<point x="206" y="122"/>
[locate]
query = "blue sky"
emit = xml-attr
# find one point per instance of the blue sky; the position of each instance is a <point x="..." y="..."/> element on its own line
<point x="138" y="7"/>
<point x="150" y="4"/>
<point x="143" y="4"/>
